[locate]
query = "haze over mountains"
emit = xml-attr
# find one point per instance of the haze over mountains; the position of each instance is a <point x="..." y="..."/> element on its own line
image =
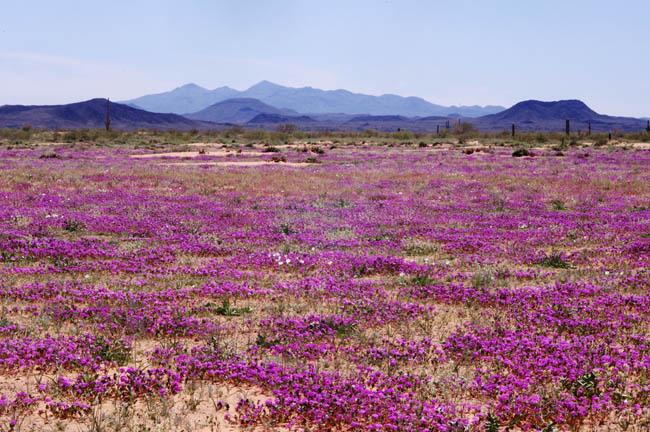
<point x="191" y="98"/>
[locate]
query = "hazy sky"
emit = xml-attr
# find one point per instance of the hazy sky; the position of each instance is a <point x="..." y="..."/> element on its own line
<point x="448" y="52"/>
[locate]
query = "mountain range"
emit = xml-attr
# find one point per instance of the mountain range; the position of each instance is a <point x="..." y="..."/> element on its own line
<point x="528" y="115"/>
<point x="237" y="110"/>
<point x="535" y="115"/>
<point x="91" y="114"/>
<point x="192" y="98"/>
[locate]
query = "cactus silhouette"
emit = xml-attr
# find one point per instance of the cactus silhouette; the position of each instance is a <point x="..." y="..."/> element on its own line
<point x="107" y="122"/>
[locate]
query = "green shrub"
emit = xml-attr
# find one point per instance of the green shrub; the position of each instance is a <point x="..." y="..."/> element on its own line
<point x="521" y="152"/>
<point x="601" y="140"/>
<point x="402" y="135"/>
<point x="464" y="128"/>
<point x="49" y="155"/>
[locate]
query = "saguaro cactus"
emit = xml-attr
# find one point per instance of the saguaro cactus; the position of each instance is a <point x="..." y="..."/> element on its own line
<point x="647" y="128"/>
<point x="589" y="129"/>
<point x="107" y="122"/>
<point x="513" y="129"/>
<point x="568" y="128"/>
<point x="437" y="129"/>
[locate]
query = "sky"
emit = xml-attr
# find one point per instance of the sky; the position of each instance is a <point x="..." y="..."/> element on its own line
<point x="453" y="52"/>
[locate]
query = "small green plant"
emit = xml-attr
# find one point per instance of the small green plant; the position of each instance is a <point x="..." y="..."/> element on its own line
<point x="226" y="310"/>
<point x="271" y="149"/>
<point x="359" y="271"/>
<point x="584" y="386"/>
<point x="555" y="260"/>
<point x="5" y="322"/>
<point x="118" y="351"/>
<point x="482" y="278"/>
<point x="285" y="228"/>
<point x="587" y="385"/>
<point x="492" y="423"/>
<point x="499" y="205"/>
<point x="341" y="203"/>
<point x="72" y="225"/>
<point x="341" y="329"/>
<point x="423" y="280"/>
<point x="263" y="342"/>
<point x="420" y="249"/>
<point x="557" y="205"/>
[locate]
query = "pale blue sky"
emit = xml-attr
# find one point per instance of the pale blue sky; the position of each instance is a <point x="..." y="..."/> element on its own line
<point x="448" y="52"/>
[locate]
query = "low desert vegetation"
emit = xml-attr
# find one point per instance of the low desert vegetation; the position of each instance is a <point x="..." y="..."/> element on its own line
<point x="462" y="133"/>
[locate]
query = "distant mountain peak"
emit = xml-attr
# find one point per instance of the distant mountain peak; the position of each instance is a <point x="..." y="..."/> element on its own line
<point x="528" y="110"/>
<point x="91" y="114"/>
<point x="264" y="84"/>
<point x="237" y="110"/>
<point x="569" y="103"/>
<point x="190" y="86"/>
<point x="192" y="98"/>
<point x="551" y="116"/>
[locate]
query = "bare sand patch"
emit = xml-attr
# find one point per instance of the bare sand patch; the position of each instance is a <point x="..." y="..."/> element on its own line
<point x="641" y="145"/>
<point x="238" y="163"/>
<point x="195" y="154"/>
<point x="204" y="144"/>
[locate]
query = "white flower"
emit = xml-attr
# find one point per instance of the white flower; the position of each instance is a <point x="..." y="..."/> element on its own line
<point x="402" y="274"/>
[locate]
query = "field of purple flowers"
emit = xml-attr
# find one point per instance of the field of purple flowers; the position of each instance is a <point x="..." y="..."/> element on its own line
<point x="371" y="289"/>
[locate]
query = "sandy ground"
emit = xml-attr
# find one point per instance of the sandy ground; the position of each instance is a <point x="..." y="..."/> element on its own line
<point x="237" y="163"/>
<point x="194" y="154"/>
